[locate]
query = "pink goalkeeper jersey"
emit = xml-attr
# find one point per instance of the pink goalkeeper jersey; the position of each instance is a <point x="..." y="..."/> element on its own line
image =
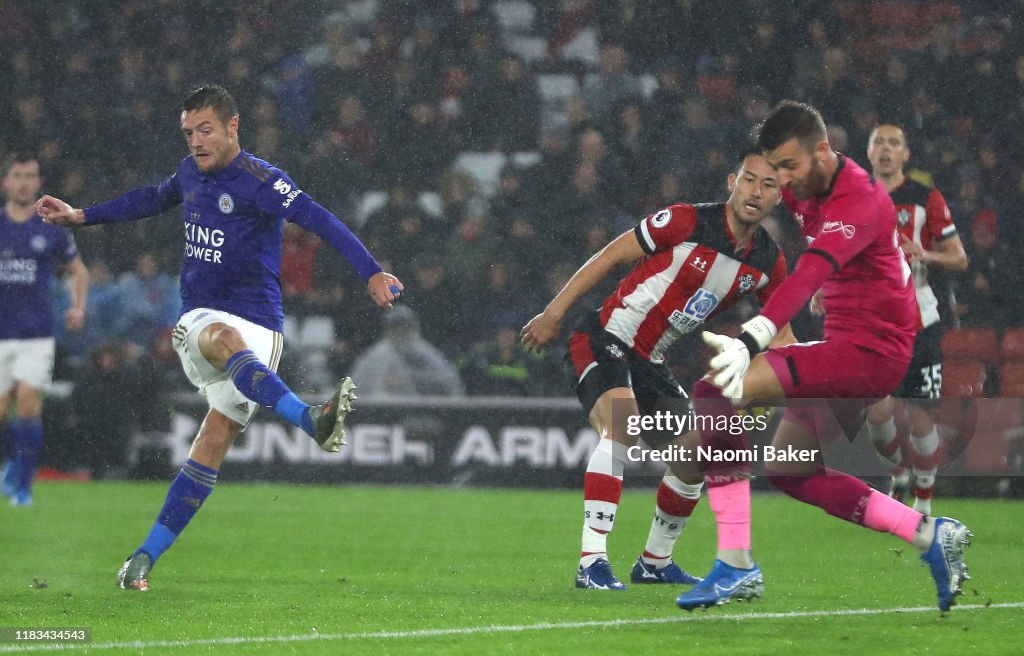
<point x="869" y="296"/>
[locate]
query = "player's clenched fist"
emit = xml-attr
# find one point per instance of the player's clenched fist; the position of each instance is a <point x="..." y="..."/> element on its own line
<point x="384" y="288"/>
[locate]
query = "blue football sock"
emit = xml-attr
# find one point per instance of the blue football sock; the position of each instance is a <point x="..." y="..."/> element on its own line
<point x="188" y="491"/>
<point x="257" y="382"/>
<point x="293" y="409"/>
<point x="27" y="436"/>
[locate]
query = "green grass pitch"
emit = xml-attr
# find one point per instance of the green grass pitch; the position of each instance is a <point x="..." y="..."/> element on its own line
<point x="303" y="569"/>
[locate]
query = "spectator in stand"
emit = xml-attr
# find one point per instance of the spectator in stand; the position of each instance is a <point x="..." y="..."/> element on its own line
<point x="612" y="83"/>
<point x="31" y="125"/>
<point x="335" y="63"/>
<point x="582" y="206"/>
<point x="501" y="366"/>
<point x="515" y="194"/>
<point x="400" y="229"/>
<point x="105" y="303"/>
<point x="418" y="150"/>
<point x="761" y="63"/>
<point x="503" y="113"/>
<point x="988" y="293"/>
<point x="667" y="191"/>
<point x="644" y="27"/>
<point x="458" y="21"/>
<point x="102" y="436"/>
<point x="348" y="148"/>
<point x="669" y="98"/>
<point x="628" y="143"/>
<point x="896" y="89"/>
<point x="499" y="292"/>
<point x="426" y="55"/>
<point x="150" y="302"/>
<point x="383" y="53"/>
<point x="470" y="250"/>
<point x="298" y="264"/>
<point x="565" y="24"/>
<point x="402" y="363"/>
<point x="697" y="132"/>
<point x="835" y="86"/>
<point x="437" y="300"/>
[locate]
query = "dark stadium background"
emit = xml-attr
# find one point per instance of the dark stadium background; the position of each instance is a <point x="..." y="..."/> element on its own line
<point x="483" y="152"/>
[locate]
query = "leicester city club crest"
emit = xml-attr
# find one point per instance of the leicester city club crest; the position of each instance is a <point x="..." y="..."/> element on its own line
<point x="226" y="203"/>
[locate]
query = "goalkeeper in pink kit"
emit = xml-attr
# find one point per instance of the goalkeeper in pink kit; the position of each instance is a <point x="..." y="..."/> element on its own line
<point x="854" y="257"/>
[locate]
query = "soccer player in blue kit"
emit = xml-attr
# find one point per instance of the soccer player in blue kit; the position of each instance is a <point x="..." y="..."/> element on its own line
<point x="229" y="335"/>
<point x="28" y="249"/>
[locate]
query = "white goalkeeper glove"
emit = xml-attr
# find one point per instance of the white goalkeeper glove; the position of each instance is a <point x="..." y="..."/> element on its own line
<point x="734" y="354"/>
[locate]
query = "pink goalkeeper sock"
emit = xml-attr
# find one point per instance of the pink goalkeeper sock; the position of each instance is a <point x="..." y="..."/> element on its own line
<point x="890" y="516"/>
<point x="730" y="502"/>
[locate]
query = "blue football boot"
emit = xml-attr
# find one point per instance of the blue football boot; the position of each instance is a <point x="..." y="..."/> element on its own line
<point x="723" y="584"/>
<point x="598" y="576"/>
<point x="945" y="559"/>
<point x="671" y="573"/>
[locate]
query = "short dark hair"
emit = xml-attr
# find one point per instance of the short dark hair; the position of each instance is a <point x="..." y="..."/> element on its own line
<point x="746" y="150"/>
<point x="16" y="158"/>
<point x="791" y="120"/>
<point x="892" y="124"/>
<point x="213" y="96"/>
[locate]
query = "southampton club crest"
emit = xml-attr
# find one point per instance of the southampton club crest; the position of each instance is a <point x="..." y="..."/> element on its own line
<point x="615" y="351"/>
<point x="903" y="217"/>
<point x="745" y="283"/>
<point x="226" y="204"/>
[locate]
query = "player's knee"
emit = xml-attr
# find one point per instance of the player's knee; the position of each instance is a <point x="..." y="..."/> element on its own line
<point x="229" y="338"/>
<point x="219" y="342"/>
<point x="29" y="403"/>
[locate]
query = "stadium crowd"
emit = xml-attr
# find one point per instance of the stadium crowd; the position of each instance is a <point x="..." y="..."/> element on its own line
<point x="484" y="149"/>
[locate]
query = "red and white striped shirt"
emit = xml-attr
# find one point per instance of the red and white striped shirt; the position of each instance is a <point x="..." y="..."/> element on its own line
<point x="692" y="272"/>
<point x="923" y="217"/>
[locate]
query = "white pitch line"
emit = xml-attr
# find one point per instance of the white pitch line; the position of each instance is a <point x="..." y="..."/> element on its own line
<point x="494" y="628"/>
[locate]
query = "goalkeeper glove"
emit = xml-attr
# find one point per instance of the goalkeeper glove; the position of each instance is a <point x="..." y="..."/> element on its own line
<point x="734" y="354"/>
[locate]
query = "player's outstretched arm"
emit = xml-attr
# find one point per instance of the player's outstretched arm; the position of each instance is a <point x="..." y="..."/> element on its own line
<point x="131" y="206"/>
<point x="312" y="216"/>
<point x="54" y="210"/>
<point x="543" y="328"/>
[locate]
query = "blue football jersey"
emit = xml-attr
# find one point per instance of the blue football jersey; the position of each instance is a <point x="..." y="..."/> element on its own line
<point x="233" y="223"/>
<point x="27" y="253"/>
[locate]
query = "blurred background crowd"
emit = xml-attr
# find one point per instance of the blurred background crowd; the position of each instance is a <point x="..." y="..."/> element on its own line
<point x="484" y="149"/>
